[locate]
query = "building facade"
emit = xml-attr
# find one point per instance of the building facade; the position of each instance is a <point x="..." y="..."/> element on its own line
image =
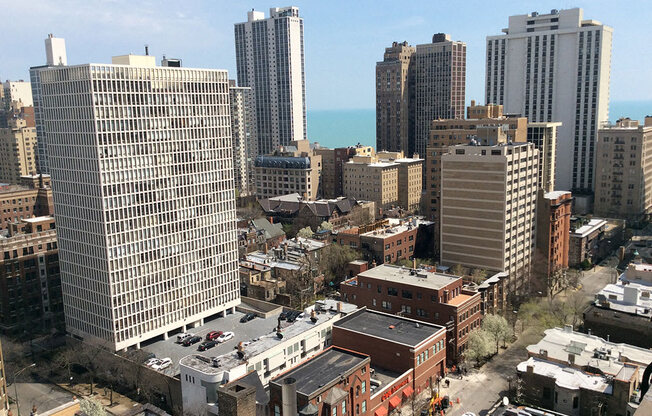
<point x="395" y="99"/>
<point x="439" y="84"/>
<point x="290" y="169"/>
<point x="243" y="130"/>
<point x="544" y="137"/>
<point x="623" y="187"/>
<point x="419" y="294"/>
<point x="332" y="161"/>
<point x="31" y="198"/>
<point x="4" y="397"/>
<point x="555" y="67"/>
<point x="488" y="209"/>
<point x="146" y="213"/>
<point x="55" y="55"/>
<point x="30" y="280"/>
<point x="553" y="231"/>
<point x="17" y="151"/>
<point x="485" y="124"/>
<point x="584" y="241"/>
<point x="270" y="60"/>
<point x="19" y="92"/>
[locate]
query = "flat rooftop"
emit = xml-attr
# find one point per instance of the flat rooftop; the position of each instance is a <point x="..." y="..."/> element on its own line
<point x="412" y="277"/>
<point x="321" y="370"/>
<point x="396" y="227"/>
<point x="567" y="377"/>
<point x="587" y="229"/>
<point x="389" y="327"/>
<point x="627" y="298"/>
<point x="555" y="194"/>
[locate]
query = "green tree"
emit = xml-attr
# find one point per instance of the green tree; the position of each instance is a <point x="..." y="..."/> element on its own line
<point x="91" y="408"/>
<point x="478" y="275"/>
<point x="479" y="346"/>
<point x="305" y="232"/>
<point x="498" y="328"/>
<point x="334" y="259"/>
<point x="325" y="225"/>
<point x="457" y="270"/>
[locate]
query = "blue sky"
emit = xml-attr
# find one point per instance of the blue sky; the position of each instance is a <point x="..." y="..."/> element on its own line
<point x="343" y="39"/>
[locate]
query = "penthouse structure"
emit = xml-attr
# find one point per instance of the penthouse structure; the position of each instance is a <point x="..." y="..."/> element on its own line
<point x="32" y="197"/>
<point x="30" y="280"/>
<point x="484" y="124"/>
<point x="422" y="295"/>
<point x="525" y="74"/>
<point x="623" y="185"/>
<point x="488" y="214"/>
<point x="270" y="60"/>
<point x="144" y="196"/>
<point x="577" y="374"/>
<point x="289" y="169"/>
<point x="622" y="311"/>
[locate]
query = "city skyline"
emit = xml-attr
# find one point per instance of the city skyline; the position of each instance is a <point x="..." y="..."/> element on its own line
<point x="202" y="35"/>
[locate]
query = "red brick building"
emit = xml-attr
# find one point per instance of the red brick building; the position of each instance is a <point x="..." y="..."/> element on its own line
<point x="335" y="382"/>
<point x="407" y="356"/>
<point x="553" y="229"/>
<point x="31" y="198"/>
<point x="419" y="294"/>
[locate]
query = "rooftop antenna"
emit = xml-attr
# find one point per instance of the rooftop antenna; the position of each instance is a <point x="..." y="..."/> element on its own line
<point x="146" y="50"/>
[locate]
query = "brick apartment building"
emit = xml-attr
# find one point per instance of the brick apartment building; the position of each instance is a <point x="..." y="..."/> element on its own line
<point x="335" y="382"/>
<point x="553" y="230"/>
<point x="419" y="294"/>
<point x="332" y="160"/>
<point x="30" y="282"/>
<point x="32" y="197"/>
<point x="407" y="356"/>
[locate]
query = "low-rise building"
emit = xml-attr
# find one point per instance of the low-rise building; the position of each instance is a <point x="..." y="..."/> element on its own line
<point x="30" y="281"/>
<point x="622" y="311"/>
<point x="32" y="197"/>
<point x="290" y="169"/>
<point x="268" y="356"/>
<point x="553" y="231"/>
<point x="577" y="374"/>
<point x="332" y="160"/>
<point x="407" y="356"/>
<point x="334" y="382"/>
<point x="256" y="282"/>
<point x="419" y="294"/>
<point x="584" y="239"/>
<point x="258" y="234"/>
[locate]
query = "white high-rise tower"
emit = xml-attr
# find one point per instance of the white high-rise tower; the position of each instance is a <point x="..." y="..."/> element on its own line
<point x="269" y="59"/>
<point x="142" y="169"/>
<point x="555" y="67"/>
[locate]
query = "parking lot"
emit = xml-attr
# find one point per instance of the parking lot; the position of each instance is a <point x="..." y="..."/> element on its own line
<point x="243" y="332"/>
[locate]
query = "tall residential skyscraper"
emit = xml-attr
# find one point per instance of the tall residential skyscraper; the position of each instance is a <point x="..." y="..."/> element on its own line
<point x="55" y="55"/>
<point x="488" y="209"/>
<point x="395" y="99"/>
<point x="243" y="130"/>
<point x="142" y="174"/>
<point x="555" y="67"/>
<point x="439" y="83"/>
<point x="269" y="59"/>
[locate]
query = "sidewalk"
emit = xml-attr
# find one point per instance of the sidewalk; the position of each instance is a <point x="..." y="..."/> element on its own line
<point x="121" y="404"/>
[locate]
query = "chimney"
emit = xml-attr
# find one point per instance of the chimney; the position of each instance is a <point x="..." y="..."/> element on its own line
<point x="589" y="331"/>
<point x="339" y="307"/>
<point x="571" y="359"/>
<point x="271" y="220"/>
<point x="530" y="369"/>
<point x="414" y="262"/>
<point x="289" y="396"/>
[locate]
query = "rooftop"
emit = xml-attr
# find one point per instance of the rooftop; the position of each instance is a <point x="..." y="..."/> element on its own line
<point x="407" y="276"/>
<point x="392" y="328"/>
<point x="629" y="297"/>
<point x="567" y="377"/>
<point x="587" y="229"/>
<point x="316" y="374"/>
<point x="555" y="194"/>
<point x="397" y="226"/>
<point x="589" y="350"/>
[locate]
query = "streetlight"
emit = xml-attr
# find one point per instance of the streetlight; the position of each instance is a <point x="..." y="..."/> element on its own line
<point x="16" y="374"/>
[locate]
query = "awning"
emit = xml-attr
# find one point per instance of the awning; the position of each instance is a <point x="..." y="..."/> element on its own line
<point x="407" y="392"/>
<point x="394" y="402"/>
<point x="381" y="411"/>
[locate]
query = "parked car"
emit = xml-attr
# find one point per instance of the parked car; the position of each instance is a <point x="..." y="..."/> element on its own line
<point x="283" y="316"/>
<point x="162" y="364"/>
<point x="206" y="345"/>
<point x="192" y="340"/>
<point x="151" y="361"/>
<point x="148" y="357"/>
<point x="183" y="336"/>
<point x="225" y="337"/>
<point x="213" y="335"/>
<point x="248" y="317"/>
<point x="292" y="316"/>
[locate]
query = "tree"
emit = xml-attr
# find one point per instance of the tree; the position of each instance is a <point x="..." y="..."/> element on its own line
<point x="305" y="232"/>
<point x="91" y="408"/>
<point x="478" y="275"/>
<point x="549" y="278"/>
<point x="334" y="259"/>
<point x="498" y="328"/>
<point x="479" y="346"/>
<point x="457" y="270"/>
<point x="251" y="211"/>
<point x="359" y="216"/>
<point x="325" y="225"/>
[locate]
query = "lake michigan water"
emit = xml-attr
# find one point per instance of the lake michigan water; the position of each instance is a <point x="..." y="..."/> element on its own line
<point x="341" y="128"/>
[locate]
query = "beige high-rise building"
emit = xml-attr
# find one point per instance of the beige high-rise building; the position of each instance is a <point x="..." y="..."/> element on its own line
<point x="488" y="209"/>
<point x="331" y="167"/>
<point x="380" y="177"/>
<point x="544" y="137"/>
<point x="623" y="185"/>
<point x="290" y="169"/>
<point x="17" y="151"/>
<point x="394" y="99"/>
<point x="486" y="124"/>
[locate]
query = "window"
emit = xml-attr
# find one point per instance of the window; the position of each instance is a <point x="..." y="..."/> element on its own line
<point x="364" y="406"/>
<point x="406" y="309"/>
<point x="576" y="402"/>
<point x="364" y="387"/>
<point x="277" y="410"/>
<point x="422" y="313"/>
<point x="334" y="412"/>
<point x="406" y="294"/>
<point x="546" y="392"/>
<point x="343" y="408"/>
<point x="392" y="291"/>
<point x="387" y="305"/>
